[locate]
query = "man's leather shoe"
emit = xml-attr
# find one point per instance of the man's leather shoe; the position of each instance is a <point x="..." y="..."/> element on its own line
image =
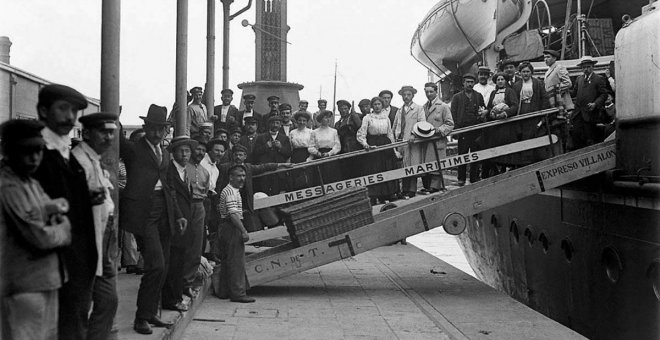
<point x="243" y="299"/>
<point x="179" y="306"/>
<point x="142" y="326"/>
<point x="157" y="322"/>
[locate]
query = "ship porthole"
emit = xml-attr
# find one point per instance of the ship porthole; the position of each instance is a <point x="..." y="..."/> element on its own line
<point x="514" y="231"/>
<point x="612" y="262"/>
<point x="530" y="237"/>
<point x="545" y="243"/>
<point x="653" y="273"/>
<point x="567" y="247"/>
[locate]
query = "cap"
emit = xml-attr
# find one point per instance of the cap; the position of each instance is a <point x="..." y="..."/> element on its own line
<point x="99" y="120"/>
<point x="284" y="106"/>
<point x="484" y="69"/>
<point x="321" y="101"/>
<point x="274" y="118"/>
<point x="343" y="102"/>
<point x="271" y="98"/>
<point x="53" y="92"/>
<point x="552" y="53"/>
<point x="303" y="101"/>
<point x="227" y="91"/>
<point x="469" y="75"/>
<point x="196" y="89"/>
<point x="249" y="97"/>
<point x="206" y="125"/>
<point x="364" y="101"/>
<point x="221" y="130"/>
<point x="239" y="147"/>
<point x="250" y="120"/>
<point x="236" y="130"/>
<point x="22" y="132"/>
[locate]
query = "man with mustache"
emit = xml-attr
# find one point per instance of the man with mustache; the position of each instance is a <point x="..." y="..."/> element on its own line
<point x="98" y="134"/>
<point x="61" y="175"/>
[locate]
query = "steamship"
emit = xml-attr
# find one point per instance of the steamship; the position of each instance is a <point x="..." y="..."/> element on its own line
<point x="586" y="254"/>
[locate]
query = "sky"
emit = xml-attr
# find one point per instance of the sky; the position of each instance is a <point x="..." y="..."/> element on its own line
<point x="369" y="39"/>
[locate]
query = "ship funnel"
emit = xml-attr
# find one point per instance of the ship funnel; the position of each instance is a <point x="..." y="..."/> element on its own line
<point x="5" y="46"/>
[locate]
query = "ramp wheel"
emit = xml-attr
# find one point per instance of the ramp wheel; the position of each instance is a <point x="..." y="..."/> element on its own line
<point x="454" y="223"/>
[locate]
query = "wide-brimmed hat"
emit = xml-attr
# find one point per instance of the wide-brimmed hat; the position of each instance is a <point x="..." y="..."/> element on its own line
<point x="587" y="59"/>
<point x="180" y="141"/>
<point x="157" y="115"/>
<point x="407" y="88"/>
<point x="423" y="129"/>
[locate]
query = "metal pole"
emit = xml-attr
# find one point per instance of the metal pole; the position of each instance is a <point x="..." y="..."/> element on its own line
<point x="209" y="90"/>
<point x="579" y="29"/>
<point x="181" y="66"/>
<point x="564" y="32"/>
<point x="110" y="23"/>
<point x="225" y="42"/>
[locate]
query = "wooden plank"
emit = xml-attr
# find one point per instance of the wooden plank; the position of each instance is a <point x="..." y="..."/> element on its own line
<point x="424" y="215"/>
<point x="415" y="170"/>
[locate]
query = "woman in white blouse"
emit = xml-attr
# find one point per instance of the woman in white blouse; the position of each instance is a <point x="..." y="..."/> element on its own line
<point x="301" y="139"/>
<point x="324" y="143"/>
<point x="376" y="131"/>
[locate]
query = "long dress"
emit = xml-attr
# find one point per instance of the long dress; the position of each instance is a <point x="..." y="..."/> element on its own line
<point x="347" y="128"/>
<point x="326" y="140"/>
<point x="376" y="131"/>
<point x="300" y="142"/>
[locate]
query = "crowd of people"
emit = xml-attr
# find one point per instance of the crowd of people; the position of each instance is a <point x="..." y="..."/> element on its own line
<point x="191" y="197"/>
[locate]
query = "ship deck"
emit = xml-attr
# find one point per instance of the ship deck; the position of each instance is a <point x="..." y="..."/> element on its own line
<point x="393" y="292"/>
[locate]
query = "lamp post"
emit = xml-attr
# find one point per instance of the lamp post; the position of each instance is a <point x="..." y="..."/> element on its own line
<point x="226" y="4"/>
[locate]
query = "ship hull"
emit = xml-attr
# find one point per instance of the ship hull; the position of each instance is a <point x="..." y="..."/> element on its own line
<point x="585" y="258"/>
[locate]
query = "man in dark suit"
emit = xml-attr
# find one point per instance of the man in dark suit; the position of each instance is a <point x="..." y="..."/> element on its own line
<point x="147" y="211"/>
<point x="249" y="138"/>
<point x="590" y="93"/>
<point x="61" y="175"/>
<point x="272" y="147"/>
<point x="225" y="113"/>
<point x="509" y="67"/>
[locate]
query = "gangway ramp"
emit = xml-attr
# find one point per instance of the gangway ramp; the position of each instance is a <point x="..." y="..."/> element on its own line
<point x="449" y="209"/>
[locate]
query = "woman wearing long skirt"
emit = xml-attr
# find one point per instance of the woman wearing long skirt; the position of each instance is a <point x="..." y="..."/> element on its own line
<point x="376" y="131"/>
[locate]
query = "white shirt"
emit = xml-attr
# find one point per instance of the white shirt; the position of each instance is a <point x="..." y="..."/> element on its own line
<point x="181" y="169"/>
<point x="213" y="170"/>
<point x="223" y="115"/>
<point x="485" y="90"/>
<point x="158" y="185"/>
<point x="248" y="114"/>
<point x="57" y="142"/>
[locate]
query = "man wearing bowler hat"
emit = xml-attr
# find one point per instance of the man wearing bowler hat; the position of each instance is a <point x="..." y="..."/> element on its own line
<point x="61" y="175"/>
<point x="147" y="211"/>
<point x="467" y="107"/>
<point x="226" y="112"/>
<point x="590" y="93"/>
<point x="98" y="134"/>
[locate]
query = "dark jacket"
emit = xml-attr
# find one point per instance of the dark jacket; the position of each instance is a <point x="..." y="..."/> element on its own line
<point x="464" y="111"/>
<point x="265" y="154"/>
<point x="60" y="178"/>
<point x="585" y="92"/>
<point x="539" y="99"/>
<point x="347" y="131"/>
<point x="181" y="202"/>
<point x="142" y="174"/>
<point x="248" y="142"/>
<point x="231" y="118"/>
<point x="392" y="115"/>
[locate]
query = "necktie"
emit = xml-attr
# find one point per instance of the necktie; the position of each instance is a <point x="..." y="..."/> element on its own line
<point x="403" y="118"/>
<point x="159" y="154"/>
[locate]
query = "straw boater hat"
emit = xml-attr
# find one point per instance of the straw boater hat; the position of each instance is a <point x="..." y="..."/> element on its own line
<point x="157" y="115"/>
<point x="423" y="129"/>
<point x="180" y="141"/>
<point x="587" y="60"/>
<point x="206" y="125"/>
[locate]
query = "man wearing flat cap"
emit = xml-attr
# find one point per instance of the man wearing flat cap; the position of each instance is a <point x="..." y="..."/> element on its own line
<point x="557" y="82"/>
<point x="285" y="113"/>
<point x="467" y="107"/>
<point x="226" y="112"/>
<point x="390" y="110"/>
<point x="98" y="134"/>
<point x="61" y="175"/>
<point x="406" y="117"/>
<point x="34" y="228"/>
<point x="196" y="112"/>
<point x="590" y="93"/>
<point x="147" y="211"/>
<point x="365" y="107"/>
